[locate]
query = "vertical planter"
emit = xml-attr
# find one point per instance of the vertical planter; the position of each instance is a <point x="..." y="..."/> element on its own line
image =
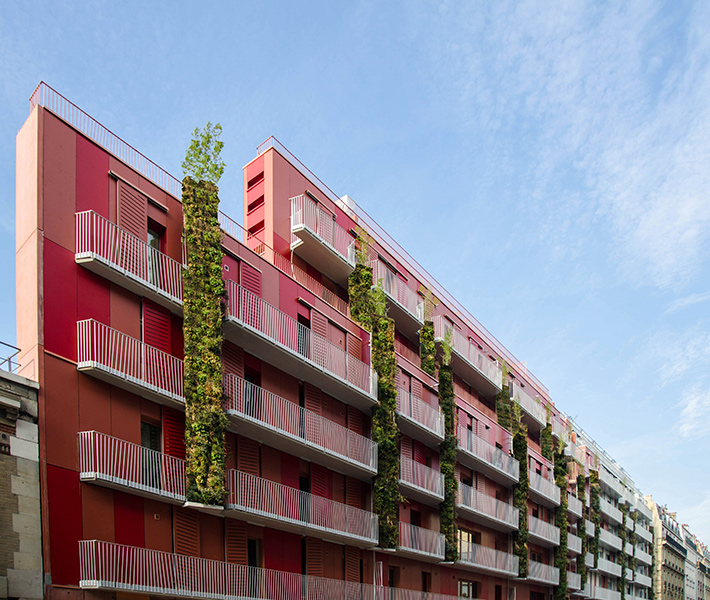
<point x="448" y="462"/>
<point x="561" y="558"/>
<point x="582" y="529"/>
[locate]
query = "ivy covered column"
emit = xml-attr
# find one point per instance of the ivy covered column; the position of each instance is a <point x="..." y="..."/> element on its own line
<point x="595" y="512"/>
<point x="448" y="457"/>
<point x="561" y="558"/>
<point x="582" y="528"/>
<point x="521" y="490"/>
<point x="623" y="557"/>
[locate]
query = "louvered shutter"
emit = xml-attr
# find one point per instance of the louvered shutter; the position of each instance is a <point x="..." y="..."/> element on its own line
<point x="132" y="211"/>
<point x="419" y="453"/>
<point x="353" y="492"/>
<point x="156" y="326"/>
<point x="236" y="542"/>
<point x="173" y="432"/>
<point x="417" y="388"/>
<point x="247" y="456"/>
<point x="314" y="557"/>
<point x="319" y="480"/>
<point x="406" y="446"/>
<point x="401" y="380"/>
<point x="354" y="346"/>
<point x="352" y="564"/>
<point x="233" y="359"/>
<point x="319" y="342"/>
<point x="314" y="406"/>
<point x="250" y="278"/>
<point x="187" y="531"/>
<point x="355" y="421"/>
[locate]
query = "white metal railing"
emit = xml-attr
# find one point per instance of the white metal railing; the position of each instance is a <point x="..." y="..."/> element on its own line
<point x="469" y="352"/>
<point x="608" y="509"/>
<point x="544" y="530"/>
<point x="109" y="350"/>
<point x="630" y="523"/>
<point x="398" y="290"/>
<point x="488" y="558"/>
<point x="643" y="533"/>
<point x="415" y="409"/>
<point x="123" y="463"/>
<point x="643" y="510"/>
<point x="261" y="406"/>
<point x="305" y="213"/>
<point x="532" y="406"/>
<point x="542" y="572"/>
<point x="642" y="579"/>
<point x="99" y="239"/>
<point x="589" y="560"/>
<point x="599" y="593"/>
<point x="262" y="497"/>
<point x="642" y="556"/>
<point x="420" y="540"/>
<point x="574" y="505"/>
<point x="610" y="539"/>
<point x="106" y="565"/>
<point x="613" y="484"/>
<point x="486" y="452"/>
<point x="588" y="528"/>
<point x="629" y="549"/>
<point x="574" y="543"/>
<point x="609" y="567"/>
<point x="479" y="502"/>
<point x="544" y="487"/>
<point x="420" y="476"/>
<point x="260" y="316"/>
<point x="574" y="580"/>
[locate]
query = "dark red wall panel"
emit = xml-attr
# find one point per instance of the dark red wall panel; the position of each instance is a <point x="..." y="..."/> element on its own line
<point x="65" y="531"/>
<point x="129" y="518"/>
<point x="60" y="314"/>
<point x="93" y="297"/>
<point x="92" y="178"/>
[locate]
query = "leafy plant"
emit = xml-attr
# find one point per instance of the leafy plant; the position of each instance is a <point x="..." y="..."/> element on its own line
<point x="427" y="348"/>
<point x="561" y="558"/>
<point x="360" y="292"/>
<point x="447" y="508"/>
<point x="595" y="512"/>
<point x="202" y="160"/>
<point x="582" y="530"/>
<point x="546" y="443"/>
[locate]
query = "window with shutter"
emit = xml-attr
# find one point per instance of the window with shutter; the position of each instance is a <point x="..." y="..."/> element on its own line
<point x="417" y="388"/>
<point x="248" y="456"/>
<point x="233" y="359"/>
<point x="250" y="278"/>
<point x="319" y="481"/>
<point x="355" y="421"/>
<point x="156" y="326"/>
<point x="354" y="346"/>
<point x="419" y="453"/>
<point x="236" y="542"/>
<point x="353" y="492"/>
<point x="406" y="446"/>
<point x="187" y="532"/>
<point x="173" y="432"/>
<point x="132" y="210"/>
<point x="314" y="557"/>
<point x="313" y="403"/>
<point x="352" y="564"/>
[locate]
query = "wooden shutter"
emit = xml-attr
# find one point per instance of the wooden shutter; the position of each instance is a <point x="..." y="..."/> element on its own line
<point x="173" y="432"/>
<point x="132" y="211"/>
<point x="250" y="278"/>
<point x="319" y="324"/>
<point x="353" y="492"/>
<point x="354" y="346"/>
<point x="352" y="564"/>
<point x="247" y="456"/>
<point x="314" y="557"/>
<point x="417" y="388"/>
<point x="187" y="531"/>
<point x="402" y="380"/>
<point x="406" y="446"/>
<point x="156" y="326"/>
<point x="233" y="359"/>
<point x="419" y="453"/>
<point x="236" y="542"/>
<point x="355" y="421"/>
<point x="319" y="481"/>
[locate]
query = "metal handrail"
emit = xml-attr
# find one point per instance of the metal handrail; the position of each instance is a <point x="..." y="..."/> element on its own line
<point x="421" y="476"/>
<point x="6" y="361"/>
<point x="472" y="499"/>
<point x="421" y="540"/>
<point x="414" y="408"/>
<point x="485" y="451"/>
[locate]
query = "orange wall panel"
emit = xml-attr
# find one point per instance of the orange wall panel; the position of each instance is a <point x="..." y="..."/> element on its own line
<point x="61" y="412"/>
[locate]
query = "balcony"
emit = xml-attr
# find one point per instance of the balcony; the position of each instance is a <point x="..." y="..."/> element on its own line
<point x="588" y="528"/>
<point x="404" y="305"/>
<point x="425" y="544"/>
<point x="469" y="362"/>
<point x="642" y="580"/>
<point x="630" y="524"/>
<point x="643" y="557"/>
<point x="279" y="339"/>
<point x="574" y="581"/>
<point x="420" y="482"/>
<point x="487" y="510"/>
<point x="545" y="534"/>
<point x="273" y="504"/>
<point x="111" y="252"/>
<point x="543" y="573"/>
<point x="534" y="413"/>
<point x="589" y="560"/>
<point x="574" y="506"/>
<point x="643" y="510"/>
<point x="599" y="593"/>
<point x="486" y="560"/>
<point x="611" y="484"/>
<point x="121" y="568"/>
<point x="629" y="549"/>
<point x="320" y="241"/>
<point x="608" y="567"/>
<point x="609" y="539"/>
<point x="612" y="513"/>
<point x="418" y="419"/>
<point x="574" y="544"/>
<point x="114" y="463"/>
<point x="128" y="363"/>
<point x="644" y="533"/>
<point x="262" y="415"/>
<point x="484" y="457"/>
<point x="543" y="490"/>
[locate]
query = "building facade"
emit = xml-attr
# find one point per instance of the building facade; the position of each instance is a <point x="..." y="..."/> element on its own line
<point x="100" y="260"/>
<point x="670" y="553"/>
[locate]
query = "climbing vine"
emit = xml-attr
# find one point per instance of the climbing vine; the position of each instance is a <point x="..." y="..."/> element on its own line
<point x="621" y="581"/>
<point x="582" y="530"/>
<point x="447" y="508"/>
<point x="521" y="490"/>
<point x="204" y="295"/>
<point x="595" y="512"/>
<point x="360" y="292"/>
<point x="546" y="443"/>
<point x="503" y="411"/>
<point x="632" y="540"/>
<point x="427" y="346"/>
<point x="561" y="558"/>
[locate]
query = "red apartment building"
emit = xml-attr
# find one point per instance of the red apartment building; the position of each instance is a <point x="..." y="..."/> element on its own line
<point x="99" y="303"/>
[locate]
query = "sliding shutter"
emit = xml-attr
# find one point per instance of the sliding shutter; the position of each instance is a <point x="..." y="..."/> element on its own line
<point x="132" y="211"/>
<point x="187" y="531"/>
<point x="248" y="456"/>
<point x="236" y="542"/>
<point x="173" y="432"/>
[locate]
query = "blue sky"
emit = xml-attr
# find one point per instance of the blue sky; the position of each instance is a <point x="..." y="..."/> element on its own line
<point x="549" y="163"/>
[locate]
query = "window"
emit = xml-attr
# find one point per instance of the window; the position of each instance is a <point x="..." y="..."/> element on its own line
<point x="468" y="589"/>
<point x="150" y="442"/>
<point x="155" y="241"/>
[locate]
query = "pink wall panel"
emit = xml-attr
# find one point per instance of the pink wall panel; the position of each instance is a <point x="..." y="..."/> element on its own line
<point x="60" y="311"/>
<point x="92" y="178"/>
<point x="289" y="291"/>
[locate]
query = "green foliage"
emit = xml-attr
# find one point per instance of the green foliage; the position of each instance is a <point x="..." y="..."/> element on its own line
<point x="427" y="348"/>
<point x="360" y="292"/>
<point x="595" y="512"/>
<point x="430" y="302"/>
<point x="623" y="562"/>
<point x="561" y="558"/>
<point x="363" y="251"/>
<point x="385" y="432"/>
<point x="632" y="540"/>
<point x="447" y="347"/>
<point x="202" y="159"/>
<point x="204" y="295"/>
<point x="447" y="509"/>
<point x="521" y="491"/>
<point x="503" y="411"/>
<point x="546" y="443"/>
<point x="582" y="530"/>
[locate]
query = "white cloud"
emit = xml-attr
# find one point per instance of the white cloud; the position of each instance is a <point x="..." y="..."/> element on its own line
<point x="686" y="301"/>
<point x="694" y="420"/>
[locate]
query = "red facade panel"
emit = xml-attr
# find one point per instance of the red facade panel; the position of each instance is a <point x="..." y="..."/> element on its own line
<point x="60" y="300"/>
<point x="65" y="530"/>
<point x="129" y="519"/>
<point x="92" y="179"/>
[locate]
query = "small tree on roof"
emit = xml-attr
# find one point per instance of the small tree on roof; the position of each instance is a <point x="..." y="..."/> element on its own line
<point x="202" y="159"/>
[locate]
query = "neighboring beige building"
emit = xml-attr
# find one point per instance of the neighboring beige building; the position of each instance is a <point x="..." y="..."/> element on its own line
<point x="20" y="532"/>
<point x="669" y="582"/>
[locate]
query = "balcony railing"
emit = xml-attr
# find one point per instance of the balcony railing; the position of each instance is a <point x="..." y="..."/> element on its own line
<point x="258" y="316"/>
<point x="472" y="501"/>
<point x="532" y="406"/>
<point x="609" y="539"/>
<point x="469" y="353"/>
<point x="574" y="580"/>
<point x="643" y="557"/>
<point x="574" y="543"/>
<point x="306" y="214"/>
<point x="547" y="532"/>
<point x="543" y="573"/>
<point x="109" y="566"/>
<point x="544" y="487"/>
<point x="608" y="509"/>
<point x="115" y="462"/>
<point x="488" y="559"/>
<point x="588" y="528"/>
<point x="278" y="503"/>
<point x="265" y="409"/>
<point x="612" y="484"/>
<point x="398" y="291"/>
<point x="100" y="240"/>
<point x="417" y="540"/>
<point x="643" y="580"/>
<point x="420" y="413"/>
<point x="644" y="533"/>
<point x="123" y="359"/>
<point x="574" y="505"/>
<point x="606" y="566"/>
<point x="485" y="452"/>
<point x="643" y="510"/>
<point x="599" y="593"/>
<point x="422" y="478"/>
